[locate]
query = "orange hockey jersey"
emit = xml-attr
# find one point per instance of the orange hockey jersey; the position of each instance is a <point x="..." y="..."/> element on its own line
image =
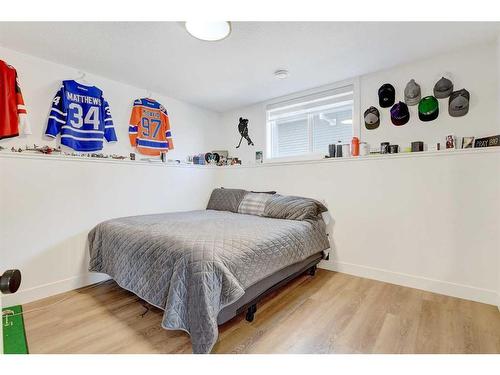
<point x="12" y="109"/>
<point x="149" y="128"/>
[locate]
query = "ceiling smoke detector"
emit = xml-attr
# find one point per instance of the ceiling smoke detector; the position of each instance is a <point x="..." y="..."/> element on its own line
<point x="281" y="74"/>
<point x="209" y="31"/>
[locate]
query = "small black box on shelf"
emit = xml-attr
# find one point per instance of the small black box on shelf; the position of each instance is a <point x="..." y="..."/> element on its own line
<point x="417" y="146"/>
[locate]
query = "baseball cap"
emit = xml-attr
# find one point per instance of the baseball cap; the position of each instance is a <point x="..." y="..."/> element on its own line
<point x="428" y="108"/>
<point x="386" y="95"/>
<point x="372" y="118"/>
<point x="443" y="88"/>
<point x="400" y="114"/>
<point x="458" y="104"/>
<point x="412" y="93"/>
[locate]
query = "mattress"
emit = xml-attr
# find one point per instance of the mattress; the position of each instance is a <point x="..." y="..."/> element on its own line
<point x="194" y="264"/>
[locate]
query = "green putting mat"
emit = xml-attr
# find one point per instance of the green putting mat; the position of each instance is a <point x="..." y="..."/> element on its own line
<point x="14" y="335"/>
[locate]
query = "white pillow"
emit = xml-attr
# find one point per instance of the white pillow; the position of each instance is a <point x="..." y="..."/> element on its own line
<point x="254" y="204"/>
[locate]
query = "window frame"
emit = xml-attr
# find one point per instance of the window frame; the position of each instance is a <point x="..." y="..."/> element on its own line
<point x="270" y="125"/>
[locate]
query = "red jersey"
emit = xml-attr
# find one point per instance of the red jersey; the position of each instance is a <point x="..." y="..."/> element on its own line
<point x="12" y="108"/>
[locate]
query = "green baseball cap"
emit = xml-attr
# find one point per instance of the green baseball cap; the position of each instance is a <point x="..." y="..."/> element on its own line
<point x="428" y="108"/>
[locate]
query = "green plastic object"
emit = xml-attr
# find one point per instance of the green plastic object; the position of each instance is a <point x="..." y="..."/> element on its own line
<point x="14" y="334"/>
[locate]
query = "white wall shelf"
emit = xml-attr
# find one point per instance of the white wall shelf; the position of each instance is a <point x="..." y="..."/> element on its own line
<point x="79" y="159"/>
<point x="374" y="157"/>
<point x="403" y="155"/>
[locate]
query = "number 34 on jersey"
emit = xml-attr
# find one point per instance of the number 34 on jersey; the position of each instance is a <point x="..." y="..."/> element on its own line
<point x="82" y="116"/>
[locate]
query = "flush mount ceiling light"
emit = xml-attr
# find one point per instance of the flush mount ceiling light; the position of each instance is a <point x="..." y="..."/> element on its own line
<point x="209" y="31"/>
<point x="281" y="74"/>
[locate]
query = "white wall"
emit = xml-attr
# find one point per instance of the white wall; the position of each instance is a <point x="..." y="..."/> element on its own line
<point x="474" y="68"/>
<point x="417" y="221"/>
<point x="192" y="127"/>
<point x="426" y="221"/>
<point x="47" y="206"/>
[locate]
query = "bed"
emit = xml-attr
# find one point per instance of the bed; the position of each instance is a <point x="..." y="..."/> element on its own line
<point x="204" y="267"/>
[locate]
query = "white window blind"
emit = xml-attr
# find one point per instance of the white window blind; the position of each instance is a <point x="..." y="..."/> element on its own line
<point x="308" y="124"/>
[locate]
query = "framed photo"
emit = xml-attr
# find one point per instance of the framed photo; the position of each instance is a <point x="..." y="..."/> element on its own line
<point x="259" y="157"/>
<point x="467" y="142"/>
<point x="450" y="141"/>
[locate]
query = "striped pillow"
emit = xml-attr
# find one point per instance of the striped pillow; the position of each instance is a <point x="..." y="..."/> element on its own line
<point x="254" y="204"/>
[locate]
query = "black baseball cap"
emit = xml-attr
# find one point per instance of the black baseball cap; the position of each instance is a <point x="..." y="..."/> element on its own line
<point x="372" y="118"/>
<point x="386" y="95"/>
<point x="400" y="114"/>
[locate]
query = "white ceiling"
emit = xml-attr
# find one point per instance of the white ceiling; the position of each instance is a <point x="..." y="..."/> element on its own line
<point x="237" y="71"/>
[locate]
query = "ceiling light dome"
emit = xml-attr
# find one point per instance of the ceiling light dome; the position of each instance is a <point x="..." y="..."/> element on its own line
<point x="209" y="31"/>
<point x="281" y="74"/>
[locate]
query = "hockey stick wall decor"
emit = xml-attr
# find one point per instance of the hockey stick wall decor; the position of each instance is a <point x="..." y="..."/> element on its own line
<point x="243" y="129"/>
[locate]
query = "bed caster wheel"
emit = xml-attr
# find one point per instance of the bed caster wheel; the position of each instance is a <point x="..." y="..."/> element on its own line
<point x="251" y="313"/>
<point x="312" y="271"/>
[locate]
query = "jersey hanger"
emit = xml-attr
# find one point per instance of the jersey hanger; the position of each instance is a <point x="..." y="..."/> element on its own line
<point x="149" y="94"/>
<point x="82" y="79"/>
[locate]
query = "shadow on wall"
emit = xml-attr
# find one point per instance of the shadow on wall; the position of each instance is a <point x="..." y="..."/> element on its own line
<point x="330" y="224"/>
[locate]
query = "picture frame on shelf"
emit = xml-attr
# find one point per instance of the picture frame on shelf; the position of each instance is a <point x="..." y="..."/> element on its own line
<point x="467" y="142"/>
<point x="450" y="142"/>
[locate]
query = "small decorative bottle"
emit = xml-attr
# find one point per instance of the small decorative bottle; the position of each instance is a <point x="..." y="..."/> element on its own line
<point x="355" y="146"/>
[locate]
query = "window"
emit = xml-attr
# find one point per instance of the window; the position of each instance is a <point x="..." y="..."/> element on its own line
<point x="308" y="124"/>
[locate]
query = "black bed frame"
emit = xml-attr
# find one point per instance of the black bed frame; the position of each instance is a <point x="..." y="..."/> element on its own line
<point x="251" y="307"/>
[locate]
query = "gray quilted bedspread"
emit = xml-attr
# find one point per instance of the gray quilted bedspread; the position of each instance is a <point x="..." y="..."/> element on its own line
<point x="193" y="264"/>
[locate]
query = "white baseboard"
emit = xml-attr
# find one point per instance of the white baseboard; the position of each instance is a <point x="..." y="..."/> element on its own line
<point x="418" y="282"/>
<point x="490" y="297"/>
<point x="46" y="290"/>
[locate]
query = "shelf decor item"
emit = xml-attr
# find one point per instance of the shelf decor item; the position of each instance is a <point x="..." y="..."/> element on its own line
<point x="355" y="146"/>
<point x="364" y="149"/>
<point x="467" y="142"/>
<point x="417" y="146"/>
<point x="393" y="149"/>
<point x="450" y="142"/>
<point x="331" y="150"/>
<point x="384" y="147"/>
<point x="487" y="141"/>
<point x="259" y="157"/>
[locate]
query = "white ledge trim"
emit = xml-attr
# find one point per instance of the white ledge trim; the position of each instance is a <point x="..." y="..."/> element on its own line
<point x="376" y="157"/>
<point x="78" y="159"/>
<point x="405" y="155"/>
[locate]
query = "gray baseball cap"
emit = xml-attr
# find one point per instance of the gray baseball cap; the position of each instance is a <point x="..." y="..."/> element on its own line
<point x="458" y="104"/>
<point x="412" y="93"/>
<point x="443" y="88"/>
<point x="372" y="118"/>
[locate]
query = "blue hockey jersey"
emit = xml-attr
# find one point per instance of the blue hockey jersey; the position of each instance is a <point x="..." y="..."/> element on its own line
<point x="82" y="116"/>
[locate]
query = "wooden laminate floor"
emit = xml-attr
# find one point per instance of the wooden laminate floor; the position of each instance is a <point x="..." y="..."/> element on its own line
<point x="328" y="313"/>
